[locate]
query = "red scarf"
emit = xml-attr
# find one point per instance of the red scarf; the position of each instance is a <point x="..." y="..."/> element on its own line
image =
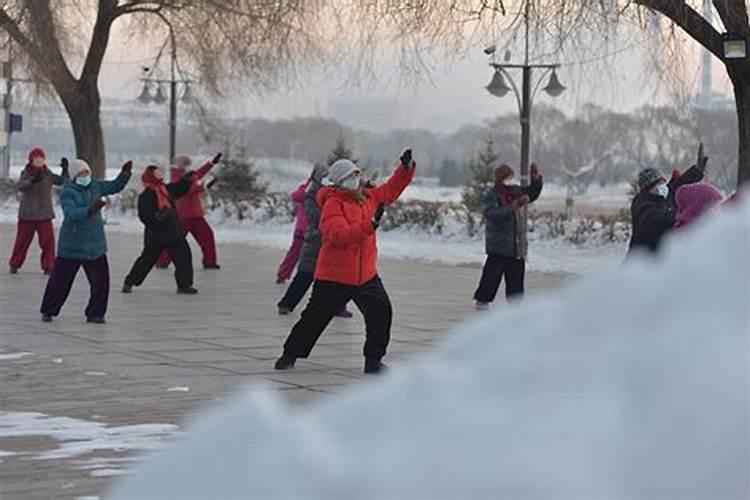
<point x="508" y="194"/>
<point x="157" y="185"/>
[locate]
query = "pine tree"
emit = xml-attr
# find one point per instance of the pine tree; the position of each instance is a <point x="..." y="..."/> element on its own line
<point x="341" y="151"/>
<point x="482" y="177"/>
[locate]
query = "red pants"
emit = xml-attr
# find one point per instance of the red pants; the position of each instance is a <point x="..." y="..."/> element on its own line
<point x="25" y="234"/>
<point x="203" y="234"/>
<point x="292" y="257"/>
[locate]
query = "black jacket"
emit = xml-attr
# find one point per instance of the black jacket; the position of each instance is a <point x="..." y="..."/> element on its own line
<point x="162" y="227"/>
<point x="653" y="216"/>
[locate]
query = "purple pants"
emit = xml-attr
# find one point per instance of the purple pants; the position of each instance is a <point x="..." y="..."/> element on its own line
<point x="292" y="257"/>
<point x="61" y="281"/>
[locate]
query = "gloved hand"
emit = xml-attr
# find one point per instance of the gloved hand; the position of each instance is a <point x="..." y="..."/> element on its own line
<point x="378" y="216"/>
<point x="406" y="160"/>
<point x="521" y="202"/>
<point x="96" y="207"/>
<point x="211" y="183"/>
<point x="534" y="171"/>
<point x="216" y="159"/>
<point x="127" y="168"/>
<point x="702" y="159"/>
<point x="64" y="165"/>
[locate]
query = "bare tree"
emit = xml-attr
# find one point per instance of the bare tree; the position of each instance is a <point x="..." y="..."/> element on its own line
<point x="221" y="39"/>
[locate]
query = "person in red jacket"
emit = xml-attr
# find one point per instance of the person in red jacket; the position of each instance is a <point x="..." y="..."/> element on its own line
<point x="191" y="213"/>
<point x="346" y="268"/>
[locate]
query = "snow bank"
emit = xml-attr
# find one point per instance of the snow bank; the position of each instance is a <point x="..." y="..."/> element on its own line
<point x="631" y="385"/>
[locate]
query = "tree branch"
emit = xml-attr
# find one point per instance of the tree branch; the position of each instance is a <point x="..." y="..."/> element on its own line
<point x="99" y="41"/>
<point x="690" y="21"/>
<point x="733" y="14"/>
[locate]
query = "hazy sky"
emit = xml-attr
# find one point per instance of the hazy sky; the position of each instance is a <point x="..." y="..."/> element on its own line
<point x="454" y="97"/>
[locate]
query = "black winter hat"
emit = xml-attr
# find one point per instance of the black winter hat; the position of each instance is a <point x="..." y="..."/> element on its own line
<point x="648" y="177"/>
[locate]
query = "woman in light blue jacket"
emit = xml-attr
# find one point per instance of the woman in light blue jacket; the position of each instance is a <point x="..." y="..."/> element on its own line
<point x="82" y="242"/>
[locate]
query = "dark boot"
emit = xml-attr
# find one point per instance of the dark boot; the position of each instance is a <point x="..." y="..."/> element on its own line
<point x="98" y="321"/>
<point x="374" y="366"/>
<point x="187" y="291"/>
<point x="127" y="288"/>
<point x="211" y="266"/>
<point x="47" y="318"/>
<point x="284" y="311"/>
<point x="285" y="362"/>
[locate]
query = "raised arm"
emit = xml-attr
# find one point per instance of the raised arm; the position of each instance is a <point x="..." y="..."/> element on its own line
<point x="392" y="189"/>
<point x="115" y="185"/>
<point x="335" y="228"/>
<point x="534" y="189"/>
<point x="180" y="188"/>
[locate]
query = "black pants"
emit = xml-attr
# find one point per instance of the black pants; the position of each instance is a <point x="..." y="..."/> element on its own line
<point x="370" y="298"/>
<point x="297" y="290"/>
<point x="181" y="256"/>
<point x="61" y="281"/>
<point x="495" y="267"/>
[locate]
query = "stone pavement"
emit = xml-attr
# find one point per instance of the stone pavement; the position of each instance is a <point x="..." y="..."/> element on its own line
<point x="162" y="356"/>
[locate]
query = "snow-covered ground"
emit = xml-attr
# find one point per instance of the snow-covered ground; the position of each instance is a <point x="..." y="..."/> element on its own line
<point x="632" y="384"/>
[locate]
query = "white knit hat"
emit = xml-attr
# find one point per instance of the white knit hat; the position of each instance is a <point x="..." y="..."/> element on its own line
<point x="340" y="170"/>
<point x="78" y="166"/>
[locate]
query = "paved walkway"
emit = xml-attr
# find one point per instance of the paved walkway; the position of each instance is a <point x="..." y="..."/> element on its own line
<point x="162" y="356"/>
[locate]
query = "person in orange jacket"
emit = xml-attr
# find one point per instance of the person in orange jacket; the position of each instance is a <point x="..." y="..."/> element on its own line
<point x="191" y="213"/>
<point x="346" y="268"/>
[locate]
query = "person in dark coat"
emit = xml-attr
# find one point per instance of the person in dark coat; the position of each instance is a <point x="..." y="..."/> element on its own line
<point x="653" y="209"/>
<point x="156" y="209"/>
<point x="506" y="255"/>
<point x="347" y="265"/>
<point x="310" y="249"/>
<point x="83" y="242"/>
<point x="35" y="212"/>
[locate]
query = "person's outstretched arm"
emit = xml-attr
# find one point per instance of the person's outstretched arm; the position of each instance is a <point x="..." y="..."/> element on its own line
<point x="118" y="183"/>
<point x="399" y="181"/>
<point x="534" y="189"/>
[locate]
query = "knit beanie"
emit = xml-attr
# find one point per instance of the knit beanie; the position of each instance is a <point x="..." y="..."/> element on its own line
<point x="36" y="152"/>
<point x="648" y="177"/>
<point x="340" y="170"/>
<point x="78" y="166"/>
<point x="694" y="199"/>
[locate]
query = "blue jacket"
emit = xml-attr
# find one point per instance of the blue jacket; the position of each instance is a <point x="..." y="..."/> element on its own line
<point x="82" y="237"/>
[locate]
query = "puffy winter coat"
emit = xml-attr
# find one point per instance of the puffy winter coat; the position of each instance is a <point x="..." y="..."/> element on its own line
<point x="502" y="236"/>
<point x="190" y="205"/>
<point x="82" y="236"/>
<point x="653" y="216"/>
<point x="162" y="228"/>
<point x="36" y="197"/>
<point x="349" y="252"/>
<point x="310" y="250"/>
<point x="298" y="197"/>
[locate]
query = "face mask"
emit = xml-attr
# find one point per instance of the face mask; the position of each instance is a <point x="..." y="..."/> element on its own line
<point x="83" y="181"/>
<point x="663" y="190"/>
<point x="350" y="183"/>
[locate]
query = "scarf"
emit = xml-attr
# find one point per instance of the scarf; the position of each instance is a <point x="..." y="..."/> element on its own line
<point x="157" y="185"/>
<point x="508" y="194"/>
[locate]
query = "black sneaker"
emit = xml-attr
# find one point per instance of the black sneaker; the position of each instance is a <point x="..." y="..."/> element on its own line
<point x="374" y="366"/>
<point x="285" y="362"/>
<point x="284" y="311"/>
<point x="47" y="318"/>
<point x="99" y="321"/>
<point x="211" y="266"/>
<point x="126" y="288"/>
<point x="344" y="313"/>
<point x="13" y="270"/>
<point x="187" y="291"/>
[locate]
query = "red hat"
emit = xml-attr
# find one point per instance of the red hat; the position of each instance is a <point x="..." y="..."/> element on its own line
<point x="35" y="153"/>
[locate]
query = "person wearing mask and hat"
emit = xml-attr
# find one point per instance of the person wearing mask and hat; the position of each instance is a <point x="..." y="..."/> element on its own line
<point x="346" y="267"/>
<point x="653" y="209"/>
<point x="162" y="230"/>
<point x="190" y="210"/>
<point x="83" y="242"/>
<point x="310" y="249"/>
<point x="506" y="254"/>
<point x="35" y="212"/>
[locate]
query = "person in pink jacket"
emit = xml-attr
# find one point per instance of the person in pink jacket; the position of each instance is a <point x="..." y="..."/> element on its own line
<point x="300" y="228"/>
<point x="695" y="200"/>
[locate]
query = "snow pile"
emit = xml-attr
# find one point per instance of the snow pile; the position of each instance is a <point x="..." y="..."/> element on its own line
<point x="632" y="385"/>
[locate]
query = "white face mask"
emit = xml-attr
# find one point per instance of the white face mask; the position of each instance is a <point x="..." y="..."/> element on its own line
<point x="351" y="183"/>
<point x="83" y="181"/>
<point x="663" y="190"/>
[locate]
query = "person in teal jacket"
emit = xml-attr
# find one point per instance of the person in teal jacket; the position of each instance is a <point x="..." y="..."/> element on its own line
<point x="82" y="242"/>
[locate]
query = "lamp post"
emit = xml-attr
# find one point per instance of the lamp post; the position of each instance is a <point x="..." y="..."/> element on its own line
<point x="499" y="88"/>
<point x="159" y="98"/>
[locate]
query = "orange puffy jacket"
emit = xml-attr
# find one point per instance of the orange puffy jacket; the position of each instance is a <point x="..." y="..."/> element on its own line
<point x="349" y="250"/>
<point x="190" y="206"/>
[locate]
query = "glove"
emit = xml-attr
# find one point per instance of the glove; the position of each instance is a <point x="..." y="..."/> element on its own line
<point x="211" y="183"/>
<point x="64" y="165"/>
<point x="127" y="168"/>
<point x="406" y="160"/>
<point x="96" y="207"/>
<point x="216" y="159"/>
<point x="702" y="159"/>
<point x="378" y="216"/>
<point x="521" y="202"/>
<point x="535" y="171"/>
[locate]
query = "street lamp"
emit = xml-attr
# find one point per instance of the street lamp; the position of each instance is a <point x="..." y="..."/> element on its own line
<point x="735" y="46"/>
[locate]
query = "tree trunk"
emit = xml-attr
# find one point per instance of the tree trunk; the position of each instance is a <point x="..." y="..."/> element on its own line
<point x="742" y="100"/>
<point x="83" y="108"/>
